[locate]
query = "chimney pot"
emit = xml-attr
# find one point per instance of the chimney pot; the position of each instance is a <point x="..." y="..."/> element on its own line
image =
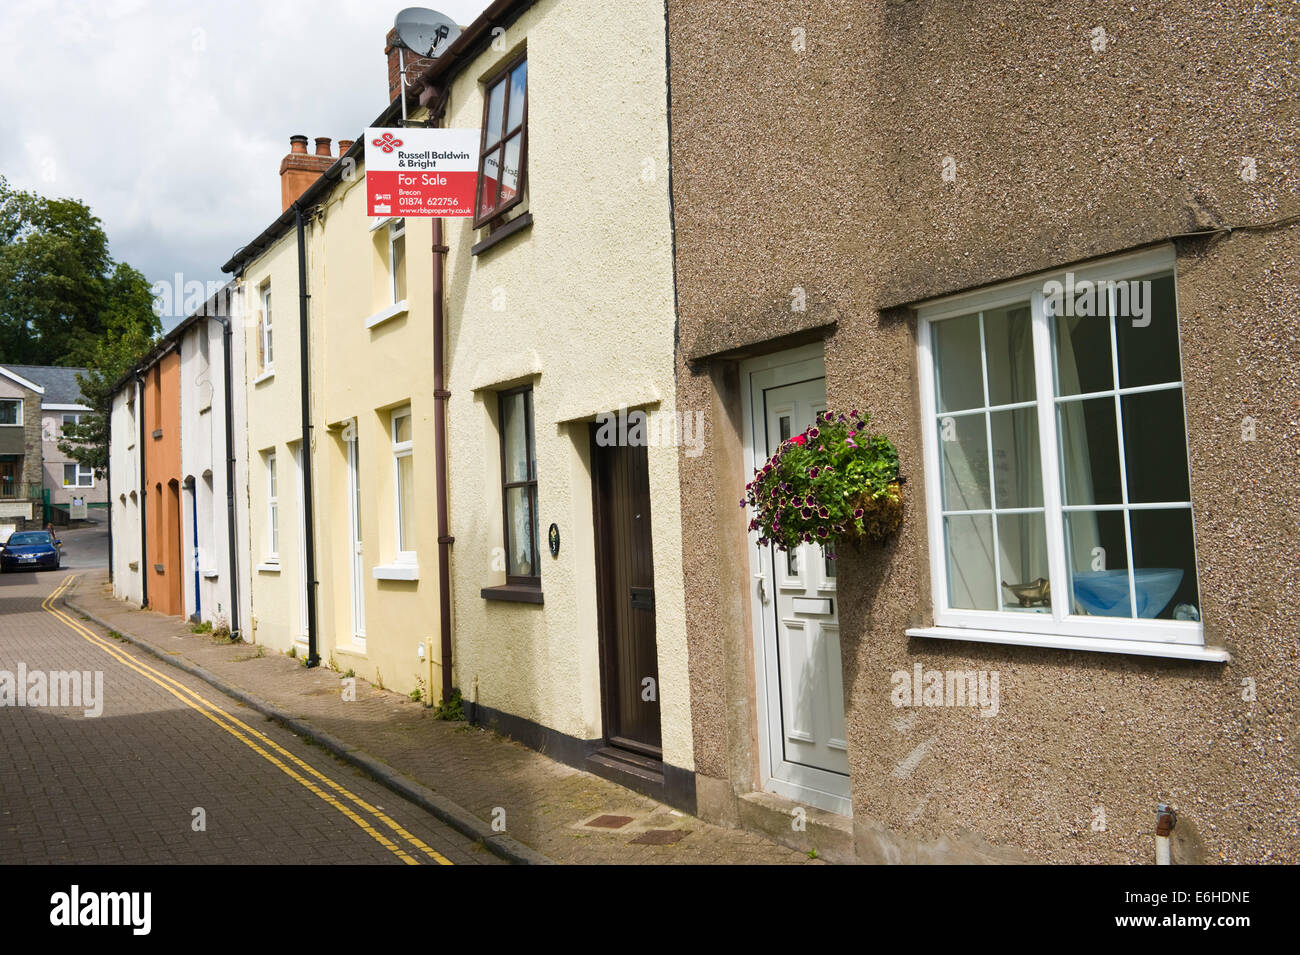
<point x="298" y="144"/>
<point x="345" y="145"/>
<point x="322" y="145"/>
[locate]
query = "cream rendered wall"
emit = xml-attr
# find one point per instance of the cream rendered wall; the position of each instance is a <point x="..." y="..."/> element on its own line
<point x="124" y="514"/>
<point x="273" y="422"/>
<point x="584" y="310"/>
<point x="361" y="374"/>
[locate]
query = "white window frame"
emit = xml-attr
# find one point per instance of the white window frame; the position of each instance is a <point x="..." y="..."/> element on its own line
<point x="81" y="471"/>
<point x="396" y="230"/>
<point x="1172" y="638"/>
<point x="63" y="420"/>
<point x="272" y="509"/>
<point x="19" y="403"/>
<point x="268" y="353"/>
<point x="401" y="449"/>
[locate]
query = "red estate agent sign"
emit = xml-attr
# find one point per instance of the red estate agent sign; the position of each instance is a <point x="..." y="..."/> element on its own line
<point x="421" y="172"/>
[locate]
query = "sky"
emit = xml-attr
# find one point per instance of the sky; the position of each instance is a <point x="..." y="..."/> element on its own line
<point x="169" y="118"/>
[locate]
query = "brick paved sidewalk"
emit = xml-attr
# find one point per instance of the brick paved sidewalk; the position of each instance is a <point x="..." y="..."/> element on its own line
<point x="546" y="803"/>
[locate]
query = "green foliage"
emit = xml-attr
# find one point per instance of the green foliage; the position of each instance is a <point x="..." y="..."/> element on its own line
<point x="451" y="709"/>
<point x="204" y="626"/>
<point x="64" y="301"/>
<point x="293" y="653"/>
<point x="833" y="482"/>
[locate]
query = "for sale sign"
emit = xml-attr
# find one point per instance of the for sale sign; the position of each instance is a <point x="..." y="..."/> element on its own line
<point x="421" y="172"/>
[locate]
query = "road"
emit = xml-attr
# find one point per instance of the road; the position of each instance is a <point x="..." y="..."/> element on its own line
<point x="171" y="771"/>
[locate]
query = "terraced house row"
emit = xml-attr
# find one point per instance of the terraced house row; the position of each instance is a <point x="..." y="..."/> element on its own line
<point x="386" y="443"/>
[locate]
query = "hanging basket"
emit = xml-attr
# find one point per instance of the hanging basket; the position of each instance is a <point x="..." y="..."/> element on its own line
<point x="833" y="483"/>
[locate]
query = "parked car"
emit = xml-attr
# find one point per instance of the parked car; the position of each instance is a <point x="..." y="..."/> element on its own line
<point x="31" y="549"/>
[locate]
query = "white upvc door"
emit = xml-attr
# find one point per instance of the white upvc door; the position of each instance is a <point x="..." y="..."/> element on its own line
<point x="804" y="754"/>
<point x="358" y="569"/>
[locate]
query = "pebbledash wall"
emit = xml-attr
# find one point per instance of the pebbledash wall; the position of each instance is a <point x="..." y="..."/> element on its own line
<point x="1062" y="144"/>
<point x="124" y="464"/>
<point x="579" y="305"/>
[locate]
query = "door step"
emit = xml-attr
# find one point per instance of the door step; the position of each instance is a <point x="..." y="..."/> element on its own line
<point x="632" y="770"/>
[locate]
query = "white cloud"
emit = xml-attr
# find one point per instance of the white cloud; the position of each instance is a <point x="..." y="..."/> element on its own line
<point x="170" y="118"/>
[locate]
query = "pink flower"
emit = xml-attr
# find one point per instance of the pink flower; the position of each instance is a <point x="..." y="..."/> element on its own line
<point x="799" y="439"/>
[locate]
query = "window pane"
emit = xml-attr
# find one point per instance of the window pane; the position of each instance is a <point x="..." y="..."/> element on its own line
<point x="970" y="562"/>
<point x="519" y="545"/>
<point x="518" y="84"/>
<point x="402" y="428"/>
<point x="1017" y="468"/>
<point x="1082" y="354"/>
<point x="1089" y="452"/>
<point x="399" y="268"/>
<point x="510" y="172"/>
<point x="1097" y="558"/>
<point x="958" y="375"/>
<point x="1165" y="559"/>
<point x="532" y="440"/>
<point x="513" y="424"/>
<point x="1009" y="340"/>
<point x="270" y="464"/>
<point x="964" y="463"/>
<point x="491" y="180"/>
<point x="784" y="427"/>
<point x="1022" y="553"/>
<point x="1148" y="353"/>
<point x="828" y="559"/>
<point x="9" y="411"/>
<point x="69" y="475"/>
<point x="275" y="529"/>
<point x="496" y="100"/>
<point x="1155" y="447"/>
<point x="406" y="502"/>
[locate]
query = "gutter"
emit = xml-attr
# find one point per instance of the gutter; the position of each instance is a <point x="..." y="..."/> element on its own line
<point x="309" y="531"/>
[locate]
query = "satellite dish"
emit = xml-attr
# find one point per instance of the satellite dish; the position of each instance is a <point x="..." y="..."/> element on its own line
<point x="425" y="32"/>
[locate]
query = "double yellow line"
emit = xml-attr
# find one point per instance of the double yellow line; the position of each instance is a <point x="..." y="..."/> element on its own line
<point x="296" y="769"/>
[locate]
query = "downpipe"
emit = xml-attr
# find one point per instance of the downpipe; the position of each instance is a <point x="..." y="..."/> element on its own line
<point x="1166" y="819"/>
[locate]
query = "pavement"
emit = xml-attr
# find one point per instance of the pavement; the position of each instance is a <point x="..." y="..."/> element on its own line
<point x="491" y="791"/>
<point x="153" y="766"/>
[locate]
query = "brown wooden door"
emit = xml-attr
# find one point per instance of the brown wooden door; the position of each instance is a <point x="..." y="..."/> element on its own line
<point x="625" y="592"/>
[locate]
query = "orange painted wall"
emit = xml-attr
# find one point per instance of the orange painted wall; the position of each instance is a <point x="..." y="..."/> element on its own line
<point x="162" y="470"/>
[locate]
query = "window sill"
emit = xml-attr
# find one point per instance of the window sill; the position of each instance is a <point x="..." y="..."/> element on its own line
<point x="264" y="376"/>
<point x="397" y="572"/>
<point x="393" y="311"/>
<point x="514" y="593"/>
<point x="515" y="225"/>
<point x="268" y="567"/>
<point x="1147" y="648"/>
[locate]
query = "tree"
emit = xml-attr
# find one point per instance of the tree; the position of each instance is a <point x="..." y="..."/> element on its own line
<point x="107" y="358"/>
<point x="60" y="289"/>
<point x="65" y="301"/>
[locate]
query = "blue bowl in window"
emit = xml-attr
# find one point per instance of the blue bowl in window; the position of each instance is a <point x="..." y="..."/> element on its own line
<point x="1104" y="593"/>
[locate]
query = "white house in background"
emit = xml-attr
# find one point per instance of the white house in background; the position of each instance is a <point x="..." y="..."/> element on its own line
<point x="62" y="403"/>
<point x="212" y="519"/>
<point x="207" y="509"/>
<point x="124" y="450"/>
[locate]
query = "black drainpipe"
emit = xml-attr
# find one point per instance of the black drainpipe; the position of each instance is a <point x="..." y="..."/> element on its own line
<point x="309" y="534"/>
<point x="144" y="541"/>
<point x="233" y="568"/>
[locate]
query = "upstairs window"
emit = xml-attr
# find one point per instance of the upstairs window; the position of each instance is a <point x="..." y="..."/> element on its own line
<point x="11" y="411"/>
<point x="70" y="419"/>
<point x="404" y="484"/>
<point x="397" y="259"/>
<point x="265" y="351"/>
<point x="504" y="152"/>
<point x="1056" y="457"/>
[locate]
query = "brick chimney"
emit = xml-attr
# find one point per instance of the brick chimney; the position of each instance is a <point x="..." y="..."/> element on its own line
<point x="415" y="65"/>
<point x="298" y="170"/>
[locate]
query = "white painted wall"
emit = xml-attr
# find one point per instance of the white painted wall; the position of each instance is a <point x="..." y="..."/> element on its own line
<point x="124" y="466"/>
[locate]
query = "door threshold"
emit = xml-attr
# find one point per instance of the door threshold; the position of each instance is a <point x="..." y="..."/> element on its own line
<point x="629" y="769"/>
